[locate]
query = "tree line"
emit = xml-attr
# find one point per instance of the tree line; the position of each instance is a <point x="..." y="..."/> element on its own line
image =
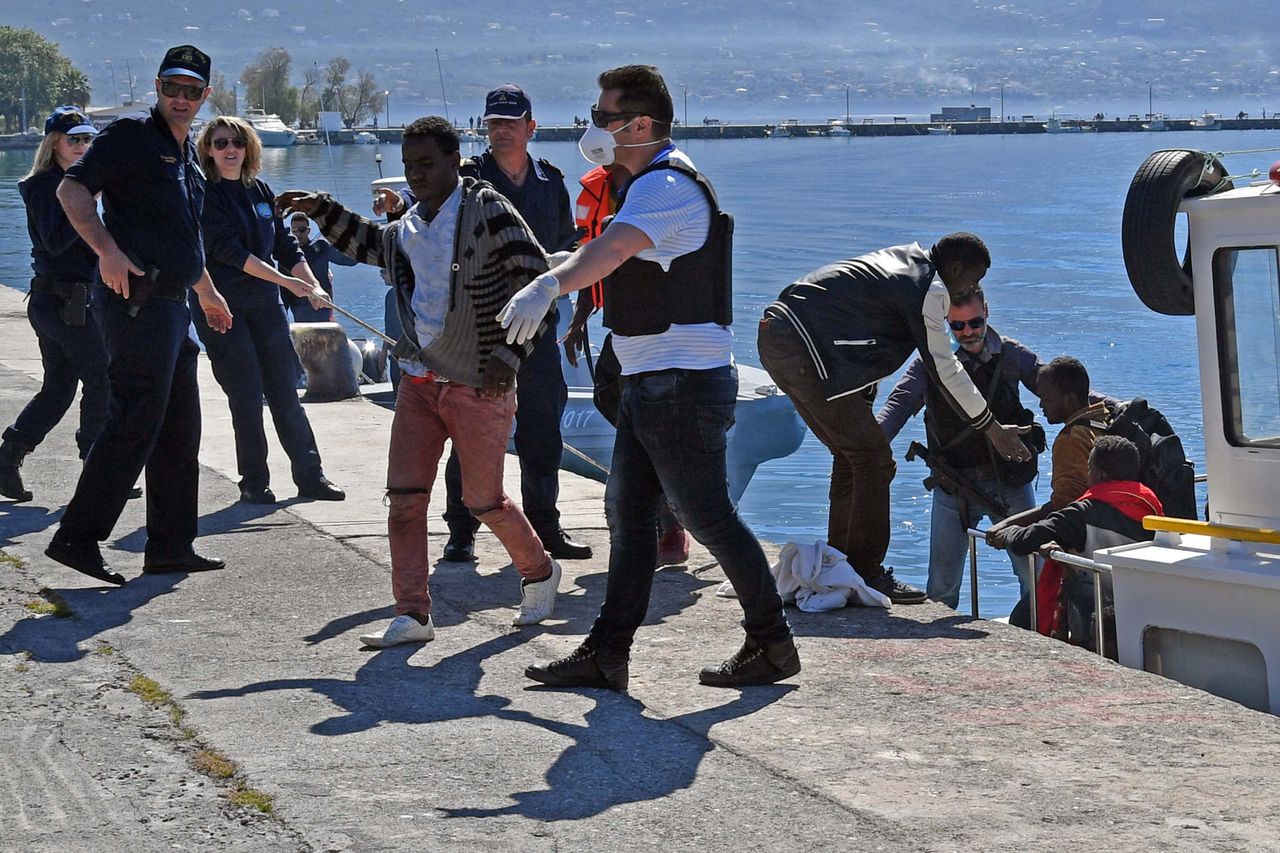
<point x="35" y="73"/>
<point x="267" y="84"/>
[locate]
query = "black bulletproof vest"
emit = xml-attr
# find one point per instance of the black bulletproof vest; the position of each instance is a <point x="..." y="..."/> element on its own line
<point x="641" y="299"/>
<point x="965" y="447"/>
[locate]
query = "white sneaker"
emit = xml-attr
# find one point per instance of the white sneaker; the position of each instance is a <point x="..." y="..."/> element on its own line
<point x="403" y="629"/>
<point x="537" y="600"/>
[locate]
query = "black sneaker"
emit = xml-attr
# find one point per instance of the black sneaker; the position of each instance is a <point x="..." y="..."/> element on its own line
<point x="754" y="664"/>
<point x="461" y="548"/>
<point x="898" y="592"/>
<point x="584" y="667"/>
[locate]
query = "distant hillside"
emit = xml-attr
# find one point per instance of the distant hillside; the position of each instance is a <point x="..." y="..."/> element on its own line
<point x="729" y="56"/>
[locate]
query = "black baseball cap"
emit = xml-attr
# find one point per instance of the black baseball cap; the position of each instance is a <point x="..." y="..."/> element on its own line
<point x="187" y="61"/>
<point x="507" y="101"/>
<point x="68" y="120"/>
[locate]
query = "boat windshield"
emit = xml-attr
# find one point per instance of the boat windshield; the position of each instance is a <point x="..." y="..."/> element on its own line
<point x="1246" y="283"/>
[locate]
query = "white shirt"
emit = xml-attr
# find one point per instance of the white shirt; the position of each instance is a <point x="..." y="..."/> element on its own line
<point x="429" y="247"/>
<point x="672" y="211"/>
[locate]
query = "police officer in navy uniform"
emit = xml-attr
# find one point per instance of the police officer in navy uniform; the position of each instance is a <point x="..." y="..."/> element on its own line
<point x="71" y="350"/>
<point x="150" y="252"/>
<point x="536" y="189"/>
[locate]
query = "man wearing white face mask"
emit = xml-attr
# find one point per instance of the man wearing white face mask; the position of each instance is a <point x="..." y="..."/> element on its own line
<point x="665" y="263"/>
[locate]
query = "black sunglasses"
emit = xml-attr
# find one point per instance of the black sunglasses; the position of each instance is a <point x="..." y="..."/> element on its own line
<point x="79" y="138"/>
<point x="975" y="324"/>
<point x="173" y="90"/>
<point x="222" y="142"/>
<point x="602" y="119"/>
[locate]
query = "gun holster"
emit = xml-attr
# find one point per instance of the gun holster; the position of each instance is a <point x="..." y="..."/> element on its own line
<point x="71" y="312"/>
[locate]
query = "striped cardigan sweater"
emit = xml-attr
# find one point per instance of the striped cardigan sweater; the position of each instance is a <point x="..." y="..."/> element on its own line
<point x="494" y="255"/>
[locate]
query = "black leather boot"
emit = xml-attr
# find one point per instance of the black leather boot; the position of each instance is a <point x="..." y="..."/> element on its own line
<point x="11" y="455"/>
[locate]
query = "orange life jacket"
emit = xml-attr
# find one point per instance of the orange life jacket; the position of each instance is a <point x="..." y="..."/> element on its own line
<point x="595" y="203"/>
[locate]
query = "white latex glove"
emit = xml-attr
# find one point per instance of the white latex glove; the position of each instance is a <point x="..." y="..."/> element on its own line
<point x="522" y="315"/>
<point x="555" y="259"/>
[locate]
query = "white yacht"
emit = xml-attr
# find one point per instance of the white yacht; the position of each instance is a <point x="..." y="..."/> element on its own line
<point x="1208" y="121"/>
<point x="838" y="127"/>
<point x="271" y="130"/>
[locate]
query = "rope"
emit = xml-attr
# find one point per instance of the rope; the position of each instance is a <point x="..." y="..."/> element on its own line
<point x="585" y="458"/>
<point x="353" y="318"/>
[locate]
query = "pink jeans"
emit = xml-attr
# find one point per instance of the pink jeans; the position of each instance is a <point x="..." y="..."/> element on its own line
<point x="427" y="413"/>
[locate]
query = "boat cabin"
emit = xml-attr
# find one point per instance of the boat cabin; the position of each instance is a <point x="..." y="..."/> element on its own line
<point x="1199" y="604"/>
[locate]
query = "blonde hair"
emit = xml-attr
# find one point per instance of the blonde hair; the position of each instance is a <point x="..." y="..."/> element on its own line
<point x="252" y="149"/>
<point x="46" y="154"/>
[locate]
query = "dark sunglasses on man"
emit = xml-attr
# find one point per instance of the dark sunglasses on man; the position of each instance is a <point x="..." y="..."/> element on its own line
<point x="222" y="142"/>
<point x="173" y="90"/>
<point x="601" y="119"/>
<point x="975" y="323"/>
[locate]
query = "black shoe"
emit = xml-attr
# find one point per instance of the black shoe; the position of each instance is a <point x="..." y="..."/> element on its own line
<point x="261" y="495"/>
<point x="322" y="490"/>
<point x="135" y="493"/>
<point x="11" y="455"/>
<point x="192" y="562"/>
<point x="561" y="547"/>
<point x="585" y="667"/>
<point x="754" y="664"/>
<point x="461" y="548"/>
<point x="84" y="557"/>
<point x="898" y="592"/>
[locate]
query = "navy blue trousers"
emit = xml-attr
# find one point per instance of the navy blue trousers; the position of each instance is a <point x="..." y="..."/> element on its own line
<point x="69" y="355"/>
<point x="153" y="421"/>
<point x="541" y="395"/>
<point x="256" y="359"/>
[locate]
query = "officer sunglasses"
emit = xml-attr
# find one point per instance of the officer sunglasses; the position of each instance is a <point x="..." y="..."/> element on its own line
<point x="600" y="118"/>
<point x="222" y="142"/>
<point x="79" y="138"/>
<point x="976" y="323"/>
<point x="173" y="90"/>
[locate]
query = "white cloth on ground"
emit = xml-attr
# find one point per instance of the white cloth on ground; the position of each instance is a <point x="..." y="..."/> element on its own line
<point x="817" y="577"/>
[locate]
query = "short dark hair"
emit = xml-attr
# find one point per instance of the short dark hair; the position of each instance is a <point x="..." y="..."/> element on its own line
<point x="1117" y="458"/>
<point x="298" y="214"/>
<point x="1067" y="375"/>
<point x="641" y="90"/>
<point x="975" y="295"/>
<point x="961" y="246"/>
<point x="437" y="128"/>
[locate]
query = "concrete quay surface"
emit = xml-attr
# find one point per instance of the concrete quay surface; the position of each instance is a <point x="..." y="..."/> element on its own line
<point x="910" y="729"/>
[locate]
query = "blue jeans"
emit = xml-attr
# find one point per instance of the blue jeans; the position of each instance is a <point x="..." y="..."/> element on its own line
<point x="153" y="421"/>
<point x="541" y="396"/>
<point x="69" y="355"/>
<point x="671" y="439"/>
<point x="949" y="541"/>
<point x="255" y="358"/>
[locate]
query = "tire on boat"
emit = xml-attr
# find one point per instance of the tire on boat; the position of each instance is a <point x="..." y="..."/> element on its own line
<point x="1159" y="277"/>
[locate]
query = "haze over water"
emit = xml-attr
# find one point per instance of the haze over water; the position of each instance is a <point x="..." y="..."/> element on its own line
<point x="1048" y="206"/>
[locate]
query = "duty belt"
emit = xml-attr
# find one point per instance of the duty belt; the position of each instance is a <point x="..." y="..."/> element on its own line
<point x="58" y="287"/>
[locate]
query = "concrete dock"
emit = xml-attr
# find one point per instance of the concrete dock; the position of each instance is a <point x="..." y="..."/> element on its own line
<point x="915" y="728"/>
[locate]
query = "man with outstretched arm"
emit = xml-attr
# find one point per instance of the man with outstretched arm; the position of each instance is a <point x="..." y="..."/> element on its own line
<point x="150" y="252"/>
<point x="453" y="259"/>
<point x="664" y="262"/>
<point x="830" y="337"/>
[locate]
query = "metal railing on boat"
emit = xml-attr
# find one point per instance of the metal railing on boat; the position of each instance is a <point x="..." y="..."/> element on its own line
<point x="1092" y="566"/>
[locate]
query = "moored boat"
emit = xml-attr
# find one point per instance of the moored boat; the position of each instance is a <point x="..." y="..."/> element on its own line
<point x="271" y="130"/>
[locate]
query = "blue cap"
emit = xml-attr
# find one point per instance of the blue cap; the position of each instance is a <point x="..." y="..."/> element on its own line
<point x="507" y="101"/>
<point x="186" y="61"/>
<point x="69" y="121"/>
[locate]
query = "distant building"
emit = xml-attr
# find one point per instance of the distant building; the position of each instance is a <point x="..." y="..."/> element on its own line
<point x="969" y="113"/>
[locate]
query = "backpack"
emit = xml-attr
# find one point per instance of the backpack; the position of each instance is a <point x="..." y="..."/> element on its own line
<point x="1165" y="469"/>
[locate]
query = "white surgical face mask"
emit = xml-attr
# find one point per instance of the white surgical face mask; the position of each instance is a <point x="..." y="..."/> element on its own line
<point x="598" y="144"/>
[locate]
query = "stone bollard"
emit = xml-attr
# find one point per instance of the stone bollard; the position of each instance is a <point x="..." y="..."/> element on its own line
<point x="326" y="357"/>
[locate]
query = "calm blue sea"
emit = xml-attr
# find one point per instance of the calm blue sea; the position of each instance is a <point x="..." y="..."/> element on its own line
<point x="1048" y="206"/>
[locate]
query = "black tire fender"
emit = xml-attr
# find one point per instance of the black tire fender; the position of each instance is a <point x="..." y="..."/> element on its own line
<point x="1159" y="277"/>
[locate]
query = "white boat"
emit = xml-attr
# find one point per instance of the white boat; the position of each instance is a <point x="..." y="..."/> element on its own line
<point x="1056" y="125"/>
<point x="1156" y="125"/>
<point x="838" y="127"/>
<point x="364" y="137"/>
<point x="1208" y="121"/>
<point x="1199" y="603"/>
<point x="271" y="130"/>
<point x="942" y="130"/>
